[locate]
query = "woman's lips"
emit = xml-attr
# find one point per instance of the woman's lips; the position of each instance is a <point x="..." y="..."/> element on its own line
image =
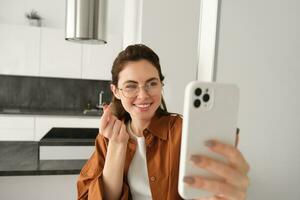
<point x="143" y="107"/>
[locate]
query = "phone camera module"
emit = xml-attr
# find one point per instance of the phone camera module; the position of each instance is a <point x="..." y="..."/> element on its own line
<point x="197" y="103"/>
<point x="206" y="97"/>
<point x="198" y="92"/>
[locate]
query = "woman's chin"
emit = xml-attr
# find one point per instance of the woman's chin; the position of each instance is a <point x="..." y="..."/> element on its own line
<point x="144" y="113"/>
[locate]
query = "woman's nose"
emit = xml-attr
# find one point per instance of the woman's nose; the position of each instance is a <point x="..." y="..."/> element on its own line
<point x="142" y="93"/>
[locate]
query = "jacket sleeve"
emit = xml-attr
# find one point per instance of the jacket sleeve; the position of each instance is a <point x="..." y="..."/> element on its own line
<point x="89" y="183"/>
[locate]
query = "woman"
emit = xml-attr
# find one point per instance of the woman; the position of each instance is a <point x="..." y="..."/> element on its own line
<point x="137" y="151"/>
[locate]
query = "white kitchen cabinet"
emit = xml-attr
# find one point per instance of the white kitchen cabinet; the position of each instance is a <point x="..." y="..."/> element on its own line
<point x="59" y="58"/>
<point x="66" y="152"/>
<point x="30" y="127"/>
<point x="19" y="50"/>
<point x="97" y="60"/>
<point x="39" y="187"/>
<point x="43" y="51"/>
<point x="16" y="128"/>
<point x="44" y="124"/>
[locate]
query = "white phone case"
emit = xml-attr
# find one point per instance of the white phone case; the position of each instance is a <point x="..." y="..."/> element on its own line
<point x="214" y="119"/>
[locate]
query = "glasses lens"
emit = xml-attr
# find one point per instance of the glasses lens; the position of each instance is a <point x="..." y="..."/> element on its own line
<point x="153" y="87"/>
<point x="130" y="90"/>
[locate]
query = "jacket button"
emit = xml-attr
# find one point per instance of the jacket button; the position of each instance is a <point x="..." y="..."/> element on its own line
<point x="152" y="178"/>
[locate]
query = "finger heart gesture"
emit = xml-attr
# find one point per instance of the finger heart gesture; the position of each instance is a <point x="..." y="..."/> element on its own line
<point x="113" y="128"/>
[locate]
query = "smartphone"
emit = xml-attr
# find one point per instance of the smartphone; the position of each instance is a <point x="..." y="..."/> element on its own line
<point x="210" y="112"/>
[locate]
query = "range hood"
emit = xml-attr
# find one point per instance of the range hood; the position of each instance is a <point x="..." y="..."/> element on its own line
<point x="86" y="21"/>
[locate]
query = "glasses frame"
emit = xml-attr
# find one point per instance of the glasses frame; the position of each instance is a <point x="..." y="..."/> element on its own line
<point x="139" y="88"/>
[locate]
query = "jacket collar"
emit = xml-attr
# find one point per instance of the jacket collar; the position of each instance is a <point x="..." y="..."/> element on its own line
<point x="158" y="127"/>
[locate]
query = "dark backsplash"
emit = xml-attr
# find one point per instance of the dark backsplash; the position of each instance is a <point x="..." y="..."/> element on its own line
<point x="41" y="93"/>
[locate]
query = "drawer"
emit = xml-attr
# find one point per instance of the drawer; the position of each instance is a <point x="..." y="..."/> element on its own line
<point x="16" y="128"/>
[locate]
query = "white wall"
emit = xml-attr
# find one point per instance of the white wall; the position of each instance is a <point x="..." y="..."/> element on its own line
<point x="170" y="28"/>
<point x="259" y="49"/>
<point x="62" y="187"/>
<point x="52" y="12"/>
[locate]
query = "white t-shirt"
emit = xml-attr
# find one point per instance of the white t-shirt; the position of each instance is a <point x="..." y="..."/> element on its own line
<point x="137" y="173"/>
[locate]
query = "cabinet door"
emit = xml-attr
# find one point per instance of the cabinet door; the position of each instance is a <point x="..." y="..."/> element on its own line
<point x="19" y="50"/>
<point x="16" y="128"/>
<point x="59" y="58"/>
<point x="97" y="60"/>
<point x="45" y="124"/>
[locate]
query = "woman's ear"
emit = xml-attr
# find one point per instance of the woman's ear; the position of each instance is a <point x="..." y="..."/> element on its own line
<point x="115" y="91"/>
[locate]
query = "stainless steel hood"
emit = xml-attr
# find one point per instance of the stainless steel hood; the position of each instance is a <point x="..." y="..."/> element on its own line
<point x="86" y="21"/>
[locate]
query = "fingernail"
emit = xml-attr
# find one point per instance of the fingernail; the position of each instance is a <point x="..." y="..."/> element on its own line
<point x="196" y="159"/>
<point x="105" y="106"/>
<point x="189" y="180"/>
<point x="210" y="143"/>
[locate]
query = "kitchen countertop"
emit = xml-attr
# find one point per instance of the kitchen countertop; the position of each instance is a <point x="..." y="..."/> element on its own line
<point x="86" y="113"/>
<point x="19" y="158"/>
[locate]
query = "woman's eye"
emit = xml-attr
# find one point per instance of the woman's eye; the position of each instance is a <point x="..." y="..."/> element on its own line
<point x="130" y="86"/>
<point x="154" y="83"/>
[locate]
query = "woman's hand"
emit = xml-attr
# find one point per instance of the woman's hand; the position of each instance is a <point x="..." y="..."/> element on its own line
<point x="112" y="128"/>
<point x="233" y="181"/>
<point x="113" y="170"/>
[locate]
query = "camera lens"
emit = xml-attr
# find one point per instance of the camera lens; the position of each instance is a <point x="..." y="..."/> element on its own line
<point x="197" y="103"/>
<point x="198" y="92"/>
<point x="206" y="97"/>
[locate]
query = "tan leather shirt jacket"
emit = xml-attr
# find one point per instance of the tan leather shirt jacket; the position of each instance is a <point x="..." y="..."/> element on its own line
<point x="163" y="138"/>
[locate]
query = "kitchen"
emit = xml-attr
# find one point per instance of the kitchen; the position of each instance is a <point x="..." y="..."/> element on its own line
<point x="256" y="47"/>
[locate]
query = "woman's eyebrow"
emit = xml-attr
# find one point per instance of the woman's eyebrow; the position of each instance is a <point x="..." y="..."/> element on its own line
<point x="148" y="80"/>
<point x="152" y="79"/>
<point x="130" y="81"/>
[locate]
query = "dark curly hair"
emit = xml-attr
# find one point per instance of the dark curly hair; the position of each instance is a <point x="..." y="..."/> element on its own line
<point x="134" y="52"/>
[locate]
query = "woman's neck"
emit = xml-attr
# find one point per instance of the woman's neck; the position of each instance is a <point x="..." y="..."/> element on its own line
<point x="138" y="126"/>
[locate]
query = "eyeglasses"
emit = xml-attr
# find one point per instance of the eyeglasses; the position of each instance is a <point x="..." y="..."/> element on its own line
<point x="131" y="90"/>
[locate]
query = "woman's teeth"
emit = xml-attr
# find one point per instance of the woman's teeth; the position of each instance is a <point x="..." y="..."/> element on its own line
<point x="142" y="105"/>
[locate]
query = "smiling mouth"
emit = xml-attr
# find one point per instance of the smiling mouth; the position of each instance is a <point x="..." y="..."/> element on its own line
<point x="146" y="105"/>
